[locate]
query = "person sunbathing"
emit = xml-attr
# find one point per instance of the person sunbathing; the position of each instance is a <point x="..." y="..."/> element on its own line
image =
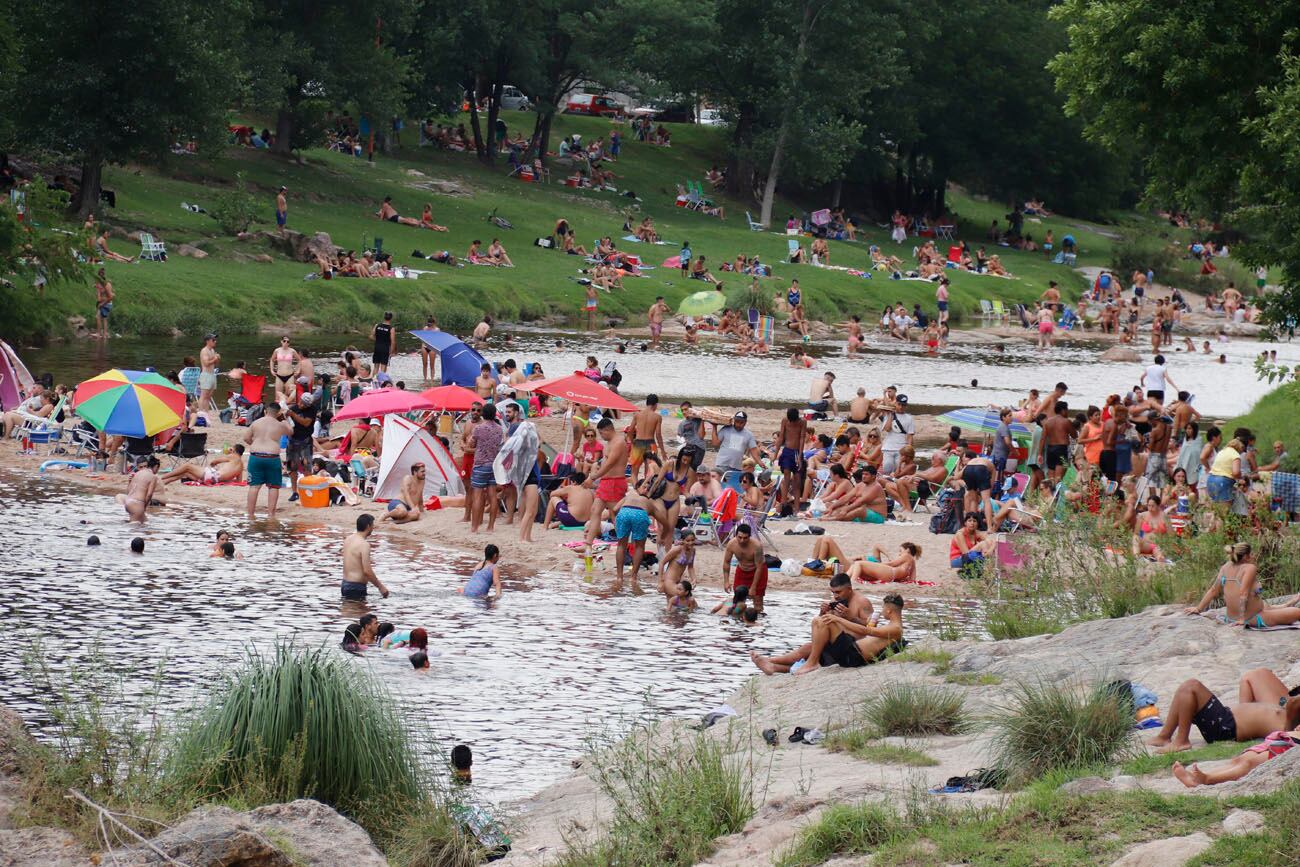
<point x="1238" y="583"/>
<point x="221" y="470"/>
<point x="477" y="256"/>
<point x="426" y="219"/>
<point x="388" y="212"/>
<point x="101" y="247"/>
<point x="569" y="246"/>
<point x="1274" y="744"/>
<point x="995" y="267"/>
<point x="1194" y="704"/>
<point x="699" y="272"/>
<point x="646" y="231"/>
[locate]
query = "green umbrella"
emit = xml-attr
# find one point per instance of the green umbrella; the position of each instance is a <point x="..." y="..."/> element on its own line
<point x="702" y="303"/>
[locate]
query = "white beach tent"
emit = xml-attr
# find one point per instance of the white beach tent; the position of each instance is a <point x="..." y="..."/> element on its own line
<point x="406" y="443"/>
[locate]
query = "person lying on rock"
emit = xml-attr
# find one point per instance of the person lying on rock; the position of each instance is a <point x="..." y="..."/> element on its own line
<point x="844" y="634"/>
<point x="1273" y="745"/>
<point x="1263" y="706"/>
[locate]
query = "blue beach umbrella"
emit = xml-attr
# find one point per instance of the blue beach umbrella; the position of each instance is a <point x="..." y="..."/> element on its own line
<point x="460" y="363"/>
<point x="982" y="419"/>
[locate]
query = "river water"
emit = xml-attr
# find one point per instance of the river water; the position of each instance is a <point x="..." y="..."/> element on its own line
<point x="711" y="373"/>
<point x="524" y="681"/>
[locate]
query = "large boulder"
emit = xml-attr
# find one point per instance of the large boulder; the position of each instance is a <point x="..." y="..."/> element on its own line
<point x="190" y="250"/>
<point x="317" y="835"/>
<point x="209" y="837"/>
<point x="300" y="247"/>
<point x="1165" y="853"/>
<point x="1121" y="353"/>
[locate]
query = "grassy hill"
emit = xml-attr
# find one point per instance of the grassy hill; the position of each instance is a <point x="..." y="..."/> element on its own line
<point x="338" y="194"/>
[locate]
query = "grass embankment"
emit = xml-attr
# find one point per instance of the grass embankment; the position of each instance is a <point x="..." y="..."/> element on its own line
<point x="1273" y="417"/>
<point x="337" y="194"/>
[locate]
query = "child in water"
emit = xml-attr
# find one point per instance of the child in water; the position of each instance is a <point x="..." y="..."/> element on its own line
<point x="737" y="606"/>
<point x="682" y="598"/>
<point x="485" y="577"/>
<point x="412" y="639"/>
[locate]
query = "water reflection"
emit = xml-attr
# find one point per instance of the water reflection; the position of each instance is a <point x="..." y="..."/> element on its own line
<point x="523" y="680"/>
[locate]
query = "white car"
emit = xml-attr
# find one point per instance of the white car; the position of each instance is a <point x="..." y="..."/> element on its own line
<point x="513" y="99"/>
<point x="711" y="117"/>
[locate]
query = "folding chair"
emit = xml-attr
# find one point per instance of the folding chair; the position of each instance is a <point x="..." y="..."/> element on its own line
<point x="714" y="523"/>
<point x="704" y="200"/>
<point x="950" y="466"/>
<point x="152" y="249"/>
<point x="794" y="248"/>
<point x="986" y="311"/>
<point x="365" y="478"/>
<point x="192" y="445"/>
<point x="946" y="231"/>
<point x="1006" y="559"/>
<point x="1000" y="311"/>
<point x="757" y="521"/>
<point x="136" y="452"/>
<point x="758" y="227"/>
<point x="189" y="377"/>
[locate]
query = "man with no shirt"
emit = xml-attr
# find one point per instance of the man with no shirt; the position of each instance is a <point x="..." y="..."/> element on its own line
<point x="751" y="568"/>
<point x="357" y="571"/>
<point x="647" y="433"/>
<point x="140" y="490"/>
<point x="208" y="359"/>
<point x="656" y="315"/>
<point x="410" y="502"/>
<point x="821" y="395"/>
<point x="610" y="479"/>
<point x="264" y="466"/>
<point x="1057" y="431"/>
<point x="570" y="504"/>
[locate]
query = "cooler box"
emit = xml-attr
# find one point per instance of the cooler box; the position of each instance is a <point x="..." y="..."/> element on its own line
<point x="314" y="491"/>
<point x="633" y="260"/>
<point x="445" y="425"/>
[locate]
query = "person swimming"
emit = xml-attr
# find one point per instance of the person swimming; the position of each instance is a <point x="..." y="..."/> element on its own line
<point x="683" y="598"/>
<point x="738" y="604"/>
<point x="485" y="577"/>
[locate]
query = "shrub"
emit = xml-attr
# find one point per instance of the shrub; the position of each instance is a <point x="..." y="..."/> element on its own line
<point x="844" y="829"/>
<point x="905" y="708"/>
<point x="1020" y="619"/>
<point x="670" y="801"/>
<point x="1053" y="726"/>
<point x="234" y="209"/>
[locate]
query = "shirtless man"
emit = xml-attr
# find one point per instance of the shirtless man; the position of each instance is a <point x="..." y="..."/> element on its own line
<point x="751" y="568"/>
<point x="609" y="479"/>
<point x="868" y="500"/>
<point x="264" y="466"/>
<point x="221" y="469"/>
<point x="208" y="359"/>
<point x="140" y="490"/>
<point x="570" y="504"/>
<point x="845" y="603"/>
<point x="389" y="213"/>
<point x="281" y="209"/>
<point x="484" y="384"/>
<point x="1052" y="296"/>
<point x="1157" y="467"/>
<point x="1194" y="704"/>
<point x="482" y="330"/>
<point x="632" y="527"/>
<point x="860" y="408"/>
<point x="656" y="314"/>
<point x="792" y="436"/>
<point x="410" y="504"/>
<point x="357" y="571"/>
<point x="932" y="477"/>
<point x="821" y="395"/>
<point x="1057" y="431"/>
<point x="647" y="433"/>
<point x="1110" y="432"/>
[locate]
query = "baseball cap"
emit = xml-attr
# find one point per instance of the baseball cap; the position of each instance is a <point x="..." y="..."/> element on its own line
<point x="283" y="189"/>
<point x="901" y="399"/>
<point x="211" y="335"/>
<point x="308" y="398"/>
<point x="740" y="416"/>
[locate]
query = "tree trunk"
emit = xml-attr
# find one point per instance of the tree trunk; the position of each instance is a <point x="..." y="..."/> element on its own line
<point x="473" y="122"/>
<point x="837" y="192"/>
<point x="796" y="69"/>
<point x="494" y="111"/>
<point x="773" y="172"/>
<point x="92" y="173"/>
<point x="740" y="166"/>
<point x="541" y="142"/>
<point x="283" y="131"/>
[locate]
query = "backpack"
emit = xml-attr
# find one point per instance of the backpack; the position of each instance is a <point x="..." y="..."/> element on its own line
<point x="946" y="518"/>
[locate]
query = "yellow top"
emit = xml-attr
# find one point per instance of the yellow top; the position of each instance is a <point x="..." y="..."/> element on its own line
<point x="1222" y="465"/>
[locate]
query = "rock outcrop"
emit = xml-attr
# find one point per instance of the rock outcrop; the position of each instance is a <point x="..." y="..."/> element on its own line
<point x="295" y="245"/>
<point x="1120" y="353"/>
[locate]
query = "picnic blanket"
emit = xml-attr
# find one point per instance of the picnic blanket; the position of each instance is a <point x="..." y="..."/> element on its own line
<point x="1286" y="491"/>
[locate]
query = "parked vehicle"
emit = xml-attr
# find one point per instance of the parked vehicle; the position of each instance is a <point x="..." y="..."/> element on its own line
<point x="593" y="103"/>
<point x="711" y="117"/>
<point x="513" y="99"/>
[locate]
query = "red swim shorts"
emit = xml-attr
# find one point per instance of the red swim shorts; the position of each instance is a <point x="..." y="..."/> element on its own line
<point x="745" y="578"/>
<point x="612" y="489"/>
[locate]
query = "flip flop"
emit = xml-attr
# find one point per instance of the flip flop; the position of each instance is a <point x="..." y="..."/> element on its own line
<point x="769" y="735"/>
<point x="797" y="735"/>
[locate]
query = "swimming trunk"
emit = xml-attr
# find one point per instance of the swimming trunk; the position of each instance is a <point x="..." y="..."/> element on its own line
<point x="265" y="470"/>
<point x="591" y="303"/>
<point x="466" y="465"/>
<point x="209" y="476"/>
<point x="394" y="218"/>
<point x="105" y="309"/>
<point x="819" y="405"/>
<point x="1057" y="455"/>
<point x="1108" y="464"/>
<point x="611" y="490"/>
<point x="656" y="328"/>
<point x="208" y="380"/>
<point x="393" y="504"/>
<point x="482" y="477"/>
<point x="977" y="478"/>
<point x="641" y="448"/>
<point x="564" y="516"/>
<point x="1046" y="328"/>
<point x="1156" y="394"/>
<point x="843" y="651"/>
<point x="298" y="455"/>
<point x="352" y="590"/>
<point x="943" y="306"/>
<point x="745" y="578"/>
<point x="380" y="357"/>
<point x="788" y="459"/>
<point x="871" y="517"/>
<point x="1215" y="722"/>
<point x="281" y="218"/>
<point x="632" y="523"/>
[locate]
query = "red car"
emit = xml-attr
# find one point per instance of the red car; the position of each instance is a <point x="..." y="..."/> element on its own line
<point x="591" y="103"/>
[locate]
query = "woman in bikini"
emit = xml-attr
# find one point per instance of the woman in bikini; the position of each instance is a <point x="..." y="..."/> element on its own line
<point x="426" y="219"/>
<point x="667" y="486"/>
<point x="284" y="363"/>
<point x="1243" y="599"/>
<point x="679" y="562"/>
<point x="1152" y="524"/>
<point x="877" y="570"/>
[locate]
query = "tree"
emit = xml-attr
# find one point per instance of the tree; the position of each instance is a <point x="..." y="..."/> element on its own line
<point x="110" y="82"/>
<point x="340" y="52"/>
<point x="1208" y="92"/>
<point x="38" y="249"/>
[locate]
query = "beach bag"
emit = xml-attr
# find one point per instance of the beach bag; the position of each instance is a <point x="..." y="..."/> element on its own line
<point x="945" y="520"/>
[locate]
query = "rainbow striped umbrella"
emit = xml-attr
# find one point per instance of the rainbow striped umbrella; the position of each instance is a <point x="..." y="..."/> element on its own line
<point x="130" y="403"/>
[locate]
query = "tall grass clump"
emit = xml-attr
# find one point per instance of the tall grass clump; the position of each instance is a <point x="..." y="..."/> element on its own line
<point x="916" y="709"/>
<point x="844" y="829"/>
<point x="670" y="801"/>
<point x="1046" y="727"/>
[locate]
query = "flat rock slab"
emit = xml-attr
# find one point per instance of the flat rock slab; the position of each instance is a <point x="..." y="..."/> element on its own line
<point x="1169" y="852"/>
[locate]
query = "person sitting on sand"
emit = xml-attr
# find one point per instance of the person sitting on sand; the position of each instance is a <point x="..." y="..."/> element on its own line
<point x="486" y="577"/>
<point x="1273" y="745"/>
<point x="221" y="470"/>
<point x="969" y="544"/>
<point x="408" y="505"/>
<point x="426" y="219"/>
<point x="388" y="212"/>
<point x="569" y="505"/>
<point x="679" y="561"/>
<point x="682" y="598"/>
<point x="838" y="638"/>
<point x="1194" y="704"/>
<point x="1238" y="583"/>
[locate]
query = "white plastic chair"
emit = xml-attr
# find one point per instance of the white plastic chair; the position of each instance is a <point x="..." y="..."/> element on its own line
<point x="753" y="226"/>
<point x="152" y="249"/>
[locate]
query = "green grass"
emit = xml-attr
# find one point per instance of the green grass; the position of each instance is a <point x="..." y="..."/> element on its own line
<point x="916" y="709"/>
<point x="1272" y="418"/>
<point x="337" y="194"/>
<point x="972" y="678"/>
<point x="1277" y="844"/>
<point x="1045" y="727"/>
<point x="1042" y="825"/>
<point x="940" y="659"/>
<point x="863" y="742"/>
<point x="1150" y="764"/>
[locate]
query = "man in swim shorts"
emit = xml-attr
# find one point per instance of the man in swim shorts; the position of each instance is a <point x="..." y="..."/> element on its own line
<point x="647" y="433"/>
<point x="410" y="502"/>
<point x="792" y="436"/>
<point x="264" y="467"/>
<point x="357" y="570"/>
<point x="1194" y="704"/>
<point x="609" y="479"/>
<point x="140" y="490"/>
<point x="840" y="641"/>
<point x="208" y="359"/>
<point x="1057" y="431"/>
<point x="570" y="504"/>
<point x="632" y="527"/>
<point x="846" y="603"/>
<point x="281" y="208"/>
<point x="751" y="568"/>
<point x="656" y="315"/>
<point x="821" y="395"/>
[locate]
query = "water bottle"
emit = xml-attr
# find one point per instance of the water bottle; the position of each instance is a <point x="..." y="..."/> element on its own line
<point x="1183" y="505"/>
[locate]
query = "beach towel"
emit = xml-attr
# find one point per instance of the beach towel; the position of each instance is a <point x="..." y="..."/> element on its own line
<point x="671" y="262"/>
<point x="633" y="238"/>
<point x="765" y="332"/>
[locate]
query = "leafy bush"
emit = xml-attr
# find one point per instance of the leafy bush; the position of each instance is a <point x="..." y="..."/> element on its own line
<point x="1046" y="727"/>
<point x="906" y="708"/>
<point x="670" y="801"/>
<point x="234" y="209"/>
